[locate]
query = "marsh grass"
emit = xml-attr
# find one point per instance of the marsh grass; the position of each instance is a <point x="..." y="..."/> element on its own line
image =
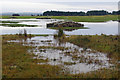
<point x="8" y="22"/>
<point x="40" y="35"/>
<point x="74" y="18"/>
<point x="101" y="43"/>
<point x="98" y="74"/>
<point x="18" y="63"/>
<point x="68" y="28"/>
<point x="52" y="47"/>
<point x="17" y="25"/>
<point x="69" y="63"/>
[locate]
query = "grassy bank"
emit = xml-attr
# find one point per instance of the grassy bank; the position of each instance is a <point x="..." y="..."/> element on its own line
<point x="73" y="18"/>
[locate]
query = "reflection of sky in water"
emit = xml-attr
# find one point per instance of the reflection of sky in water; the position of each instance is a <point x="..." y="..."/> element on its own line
<point x="60" y="57"/>
<point x="109" y="28"/>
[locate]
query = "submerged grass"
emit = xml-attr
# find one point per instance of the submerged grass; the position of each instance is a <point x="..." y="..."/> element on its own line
<point x="18" y="25"/>
<point x="52" y="47"/>
<point x="8" y="22"/>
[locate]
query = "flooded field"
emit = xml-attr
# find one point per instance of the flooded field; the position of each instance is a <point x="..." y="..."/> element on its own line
<point x="108" y="28"/>
<point x="36" y="47"/>
<point x="72" y="58"/>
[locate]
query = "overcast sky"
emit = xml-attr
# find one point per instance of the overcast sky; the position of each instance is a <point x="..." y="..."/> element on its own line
<point x="39" y="6"/>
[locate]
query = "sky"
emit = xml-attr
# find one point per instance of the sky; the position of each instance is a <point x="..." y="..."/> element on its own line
<point x="40" y="6"/>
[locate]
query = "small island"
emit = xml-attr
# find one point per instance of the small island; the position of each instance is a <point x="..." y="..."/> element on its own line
<point x="67" y="26"/>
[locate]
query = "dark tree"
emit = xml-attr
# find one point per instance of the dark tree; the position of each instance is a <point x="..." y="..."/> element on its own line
<point x="32" y="15"/>
<point x="97" y="12"/>
<point x="38" y="15"/>
<point x="15" y="15"/>
<point x="88" y="13"/>
<point x="116" y="12"/>
<point x="61" y="13"/>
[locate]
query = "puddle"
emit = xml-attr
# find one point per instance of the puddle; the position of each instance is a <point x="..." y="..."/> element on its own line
<point x="73" y="58"/>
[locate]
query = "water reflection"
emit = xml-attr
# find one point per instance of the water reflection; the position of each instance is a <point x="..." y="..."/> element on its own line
<point x="109" y="28"/>
<point x="72" y="58"/>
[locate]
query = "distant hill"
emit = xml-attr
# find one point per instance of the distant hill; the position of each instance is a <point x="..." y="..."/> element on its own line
<point x="22" y="14"/>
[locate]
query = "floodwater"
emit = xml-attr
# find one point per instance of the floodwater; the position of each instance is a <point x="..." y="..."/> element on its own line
<point x="71" y="58"/>
<point x="108" y="28"/>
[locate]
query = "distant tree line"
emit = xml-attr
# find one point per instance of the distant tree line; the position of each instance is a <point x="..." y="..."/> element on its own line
<point x="62" y="13"/>
<point x="88" y="13"/>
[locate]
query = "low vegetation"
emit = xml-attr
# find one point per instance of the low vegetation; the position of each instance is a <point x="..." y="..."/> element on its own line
<point x="101" y="43"/>
<point x="8" y="22"/>
<point x="52" y="47"/>
<point x="18" y="25"/>
<point x="18" y="63"/>
<point x="69" y="28"/>
<point x="73" y="18"/>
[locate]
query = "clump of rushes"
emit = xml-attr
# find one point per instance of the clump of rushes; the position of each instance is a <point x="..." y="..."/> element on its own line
<point x="60" y="33"/>
<point x="24" y="34"/>
<point x="60" y="36"/>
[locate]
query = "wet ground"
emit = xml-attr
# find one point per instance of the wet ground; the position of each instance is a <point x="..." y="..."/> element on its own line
<point x="71" y="58"/>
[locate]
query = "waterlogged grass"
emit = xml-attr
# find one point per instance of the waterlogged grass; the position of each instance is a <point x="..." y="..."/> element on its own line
<point x="40" y="34"/>
<point x="102" y="43"/>
<point x="18" y="63"/>
<point x="52" y="47"/>
<point x="8" y="22"/>
<point x="101" y="74"/>
<point x="69" y="28"/>
<point x="73" y="18"/>
<point x="19" y="17"/>
<point x="18" y="25"/>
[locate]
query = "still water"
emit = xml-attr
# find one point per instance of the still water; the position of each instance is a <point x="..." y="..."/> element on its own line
<point x="70" y="57"/>
<point x="108" y="28"/>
